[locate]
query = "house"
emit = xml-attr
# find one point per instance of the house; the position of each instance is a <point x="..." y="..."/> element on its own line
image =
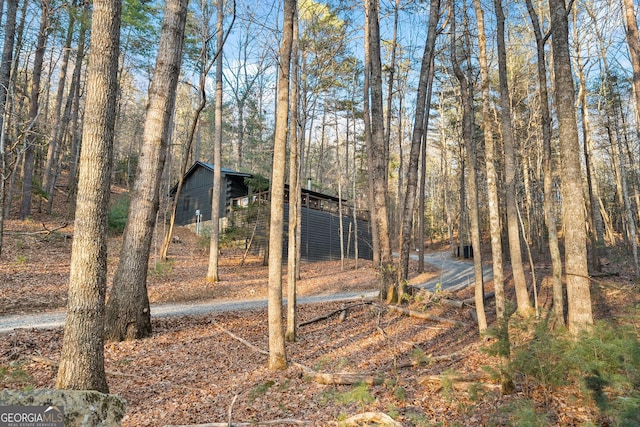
<point x="197" y="190"/>
<point x="320" y="228"/>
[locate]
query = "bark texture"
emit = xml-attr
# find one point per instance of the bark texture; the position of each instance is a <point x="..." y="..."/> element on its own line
<point x="513" y="227"/>
<point x="82" y="357"/>
<point x="128" y="315"/>
<point x="214" y="248"/>
<point x="573" y="209"/>
<point x="277" y="355"/>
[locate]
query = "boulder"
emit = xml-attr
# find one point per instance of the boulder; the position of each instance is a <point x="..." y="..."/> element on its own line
<point x="81" y="408"/>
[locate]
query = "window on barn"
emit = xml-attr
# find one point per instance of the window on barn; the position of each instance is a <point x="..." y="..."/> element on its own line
<point x="186" y="204"/>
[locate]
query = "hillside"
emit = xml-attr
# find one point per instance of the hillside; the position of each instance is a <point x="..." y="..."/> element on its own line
<point x="420" y="372"/>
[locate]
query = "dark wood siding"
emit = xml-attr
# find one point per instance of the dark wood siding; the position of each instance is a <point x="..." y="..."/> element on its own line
<point x="197" y="191"/>
<point x="321" y="236"/>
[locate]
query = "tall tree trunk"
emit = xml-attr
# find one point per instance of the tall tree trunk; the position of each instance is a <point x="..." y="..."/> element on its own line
<point x="515" y="252"/>
<point x="293" y="247"/>
<point x="206" y="67"/>
<point x="75" y="103"/>
<point x="633" y="41"/>
<point x="495" y="226"/>
<point x="34" y="106"/>
<point x="277" y="355"/>
<point x="373" y="214"/>
<point x="417" y="138"/>
<point x="549" y="209"/>
<point x="5" y="78"/>
<point x="127" y="313"/>
<point x="577" y="277"/>
<point x="214" y="248"/>
<point x="82" y="356"/>
<point x="379" y="172"/>
<point x="466" y="99"/>
<point x="48" y="182"/>
<point x="423" y="174"/>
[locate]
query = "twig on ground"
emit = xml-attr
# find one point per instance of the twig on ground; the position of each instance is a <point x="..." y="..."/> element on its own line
<point x="333" y="313"/>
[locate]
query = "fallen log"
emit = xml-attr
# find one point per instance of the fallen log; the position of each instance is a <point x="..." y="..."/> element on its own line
<point x="457" y="303"/>
<point x="345" y="378"/>
<point x="460" y="382"/>
<point x="372" y="417"/>
<point x="333" y="313"/>
<point x="425" y="316"/>
<point x="427" y="360"/>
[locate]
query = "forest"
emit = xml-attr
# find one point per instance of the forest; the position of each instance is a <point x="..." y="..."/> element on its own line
<point x="508" y="128"/>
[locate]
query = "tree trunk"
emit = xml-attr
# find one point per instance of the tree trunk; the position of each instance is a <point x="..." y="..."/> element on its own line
<point x="549" y="210"/>
<point x="578" y="292"/>
<point x="277" y="355"/>
<point x="466" y="99"/>
<point x="293" y="247"/>
<point x="495" y="225"/>
<point x="417" y="138"/>
<point x="634" y="52"/>
<point x="82" y="356"/>
<point x="127" y="313"/>
<point x="515" y="252"/>
<point x="5" y="78"/>
<point x="34" y="105"/>
<point x="214" y="247"/>
<point x="48" y="182"/>
<point x="379" y="172"/>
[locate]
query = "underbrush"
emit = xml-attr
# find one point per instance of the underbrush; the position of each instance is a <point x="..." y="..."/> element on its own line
<point x="602" y="366"/>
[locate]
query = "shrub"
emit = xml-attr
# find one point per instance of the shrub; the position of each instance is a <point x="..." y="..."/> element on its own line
<point x="118" y="214"/>
<point x="603" y="363"/>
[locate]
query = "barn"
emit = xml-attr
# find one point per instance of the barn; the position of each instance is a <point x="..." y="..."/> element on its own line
<point x="321" y="216"/>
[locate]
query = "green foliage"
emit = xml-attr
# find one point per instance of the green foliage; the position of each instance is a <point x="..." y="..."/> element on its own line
<point x="260" y="390"/>
<point x="257" y="183"/>
<point x="21" y="259"/>
<point x="604" y="363"/>
<point x="13" y="376"/>
<point x="162" y="269"/>
<point x="522" y="413"/>
<point x="359" y="394"/>
<point x="419" y="356"/>
<point x="118" y="214"/>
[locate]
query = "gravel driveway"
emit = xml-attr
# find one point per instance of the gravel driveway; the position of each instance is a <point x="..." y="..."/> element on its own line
<point x="455" y="274"/>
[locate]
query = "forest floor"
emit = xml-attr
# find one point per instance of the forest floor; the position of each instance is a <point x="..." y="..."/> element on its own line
<point x="200" y="369"/>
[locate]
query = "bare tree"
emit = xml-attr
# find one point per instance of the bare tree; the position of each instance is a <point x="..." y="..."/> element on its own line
<point x="82" y="356"/>
<point x="5" y="77"/>
<point x="495" y="226"/>
<point x="376" y="152"/>
<point x="214" y="247"/>
<point x="295" y="148"/>
<point x="549" y="210"/>
<point x="576" y="267"/>
<point x="417" y="139"/>
<point x="127" y="313"/>
<point x="277" y="355"/>
<point x="466" y="99"/>
<point x="515" y="252"/>
<point x="34" y="111"/>
<point x="633" y="40"/>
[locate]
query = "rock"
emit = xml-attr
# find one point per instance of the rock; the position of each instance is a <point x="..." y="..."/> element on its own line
<point x="81" y="408"/>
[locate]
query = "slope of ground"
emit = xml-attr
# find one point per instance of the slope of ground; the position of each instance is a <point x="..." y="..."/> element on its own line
<point x="192" y="370"/>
